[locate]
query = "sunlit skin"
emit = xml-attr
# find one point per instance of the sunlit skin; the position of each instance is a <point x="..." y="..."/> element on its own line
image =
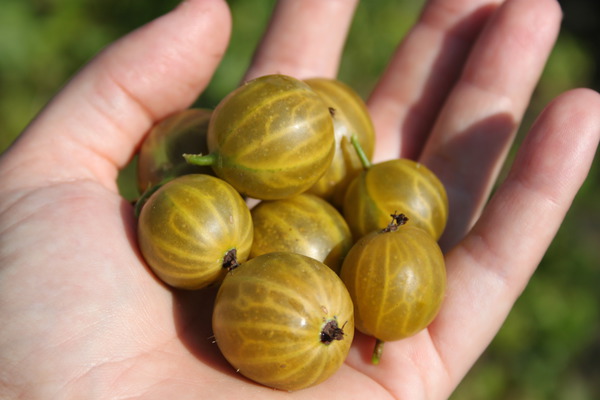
<point x="82" y="316"/>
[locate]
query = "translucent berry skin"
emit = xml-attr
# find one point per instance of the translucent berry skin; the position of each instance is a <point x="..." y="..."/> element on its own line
<point x="397" y="282"/>
<point x="350" y="118"/>
<point x="189" y="225"/>
<point x="161" y="153"/>
<point x="272" y="137"/>
<point x="304" y="224"/>
<point x="269" y="316"/>
<point x="400" y="185"/>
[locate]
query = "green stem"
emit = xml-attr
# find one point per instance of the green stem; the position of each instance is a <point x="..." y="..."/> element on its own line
<point x="199" y="159"/>
<point x="377" y="352"/>
<point x="360" y="152"/>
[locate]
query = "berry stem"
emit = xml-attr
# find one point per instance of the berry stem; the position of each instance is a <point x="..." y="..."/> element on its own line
<point x="397" y="221"/>
<point x="230" y="261"/>
<point x="331" y="331"/>
<point x="377" y="352"/>
<point x="360" y="152"/>
<point x="201" y="159"/>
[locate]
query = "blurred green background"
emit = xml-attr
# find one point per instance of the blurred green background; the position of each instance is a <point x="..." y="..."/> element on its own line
<point x="549" y="347"/>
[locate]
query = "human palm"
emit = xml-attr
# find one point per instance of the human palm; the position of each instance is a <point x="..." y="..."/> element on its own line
<point x="84" y="318"/>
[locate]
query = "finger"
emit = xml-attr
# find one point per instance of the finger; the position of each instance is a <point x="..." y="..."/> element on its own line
<point x="92" y="127"/>
<point x="304" y="39"/>
<point x="426" y="64"/>
<point x="477" y="124"/>
<point x="491" y="267"/>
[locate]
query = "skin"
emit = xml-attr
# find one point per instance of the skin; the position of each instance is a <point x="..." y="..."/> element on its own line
<point x="83" y="318"/>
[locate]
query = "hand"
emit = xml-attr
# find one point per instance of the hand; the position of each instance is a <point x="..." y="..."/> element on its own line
<point x="84" y="318"/>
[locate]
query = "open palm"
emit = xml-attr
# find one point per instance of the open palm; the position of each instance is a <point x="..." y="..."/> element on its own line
<point x="82" y="316"/>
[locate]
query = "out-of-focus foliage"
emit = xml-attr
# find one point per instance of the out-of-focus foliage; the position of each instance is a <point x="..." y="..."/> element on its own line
<point x="43" y="42"/>
<point x="550" y="345"/>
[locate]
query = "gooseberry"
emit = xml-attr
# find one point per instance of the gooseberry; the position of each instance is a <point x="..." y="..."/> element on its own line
<point x="350" y="118"/>
<point x="304" y="224"/>
<point x="396" y="278"/>
<point x="271" y="138"/>
<point x="161" y="154"/>
<point x="283" y="320"/>
<point x="399" y="184"/>
<point x="193" y="229"/>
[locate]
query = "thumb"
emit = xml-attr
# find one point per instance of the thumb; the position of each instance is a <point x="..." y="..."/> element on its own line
<point x="92" y="127"/>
